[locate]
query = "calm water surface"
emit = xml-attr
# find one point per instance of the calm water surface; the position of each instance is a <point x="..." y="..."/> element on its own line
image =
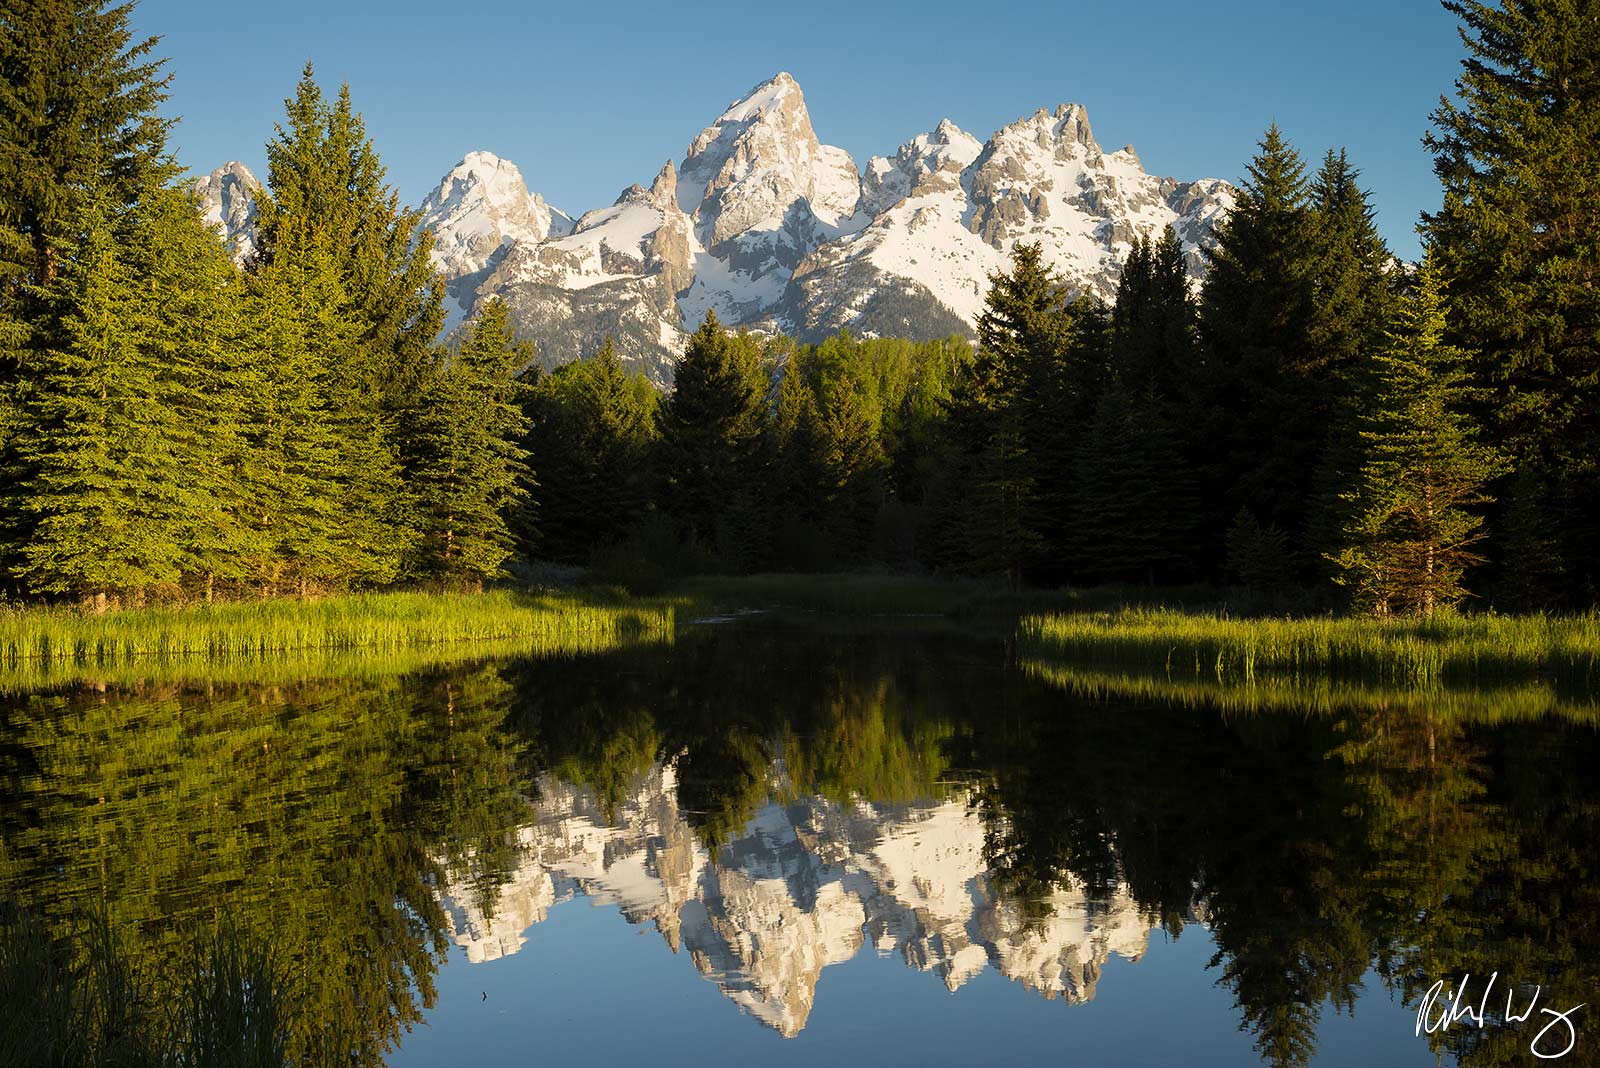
<point x="788" y="843"/>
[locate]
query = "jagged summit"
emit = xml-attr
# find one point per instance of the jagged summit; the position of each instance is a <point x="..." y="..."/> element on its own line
<point x="228" y="202"/>
<point x="801" y="887"/>
<point x="772" y="228"/>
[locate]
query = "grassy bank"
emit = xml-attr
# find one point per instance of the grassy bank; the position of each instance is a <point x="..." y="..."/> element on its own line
<point x="41" y="639"/>
<point x="1444" y="650"/>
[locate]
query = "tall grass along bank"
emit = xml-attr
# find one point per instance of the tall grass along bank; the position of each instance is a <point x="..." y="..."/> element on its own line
<point x="377" y="623"/>
<point x="1445" y="649"/>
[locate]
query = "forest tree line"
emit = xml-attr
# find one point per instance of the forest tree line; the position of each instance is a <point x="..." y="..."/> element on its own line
<point x="1318" y="419"/>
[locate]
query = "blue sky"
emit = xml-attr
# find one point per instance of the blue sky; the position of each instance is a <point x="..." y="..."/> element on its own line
<point x="589" y="98"/>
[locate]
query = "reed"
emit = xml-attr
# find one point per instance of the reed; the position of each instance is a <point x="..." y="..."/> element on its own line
<point x="42" y="641"/>
<point x="87" y="1001"/>
<point x="1445" y="650"/>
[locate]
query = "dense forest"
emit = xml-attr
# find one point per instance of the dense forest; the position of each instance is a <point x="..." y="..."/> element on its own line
<point x="1320" y="422"/>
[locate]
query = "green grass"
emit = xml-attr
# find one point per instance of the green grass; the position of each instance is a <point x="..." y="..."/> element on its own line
<point x="38" y="642"/>
<point x="86" y="1001"/>
<point x="1444" y="650"/>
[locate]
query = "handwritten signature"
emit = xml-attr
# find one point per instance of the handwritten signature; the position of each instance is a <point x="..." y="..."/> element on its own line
<point x="1450" y="1011"/>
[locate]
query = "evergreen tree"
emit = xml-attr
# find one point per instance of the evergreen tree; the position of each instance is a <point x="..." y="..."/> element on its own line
<point x="1519" y="239"/>
<point x="591" y="430"/>
<point x="126" y="433"/>
<point x="1414" y="525"/>
<point x="711" y="428"/>
<point x="1006" y="424"/>
<point x="797" y="454"/>
<point x="332" y="512"/>
<point x="1132" y="484"/>
<point x="1351" y="308"/>
<point x="1263" y="424"/>
<point x="78" y="131"/>
<point x="469" y="427"/>
<point x="337" y="249"/>
<point x="326" y="185"/>
<point x="80" y="142"/>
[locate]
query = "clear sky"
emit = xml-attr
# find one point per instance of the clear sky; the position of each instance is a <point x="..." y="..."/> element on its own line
<point x="587" y="98"/>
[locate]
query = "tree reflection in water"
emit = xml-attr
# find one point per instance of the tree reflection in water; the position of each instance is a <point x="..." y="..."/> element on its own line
<point x="773" y="797"/>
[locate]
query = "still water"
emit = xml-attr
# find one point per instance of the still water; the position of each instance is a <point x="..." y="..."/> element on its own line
<point x="785" y="842"/>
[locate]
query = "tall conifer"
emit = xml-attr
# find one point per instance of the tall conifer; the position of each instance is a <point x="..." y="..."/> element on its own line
<point x="1519" y="239"/>
<point x="1415" y="520"/>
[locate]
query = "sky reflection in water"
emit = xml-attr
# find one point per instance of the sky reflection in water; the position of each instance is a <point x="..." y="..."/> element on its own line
<point x="795" y="843"/>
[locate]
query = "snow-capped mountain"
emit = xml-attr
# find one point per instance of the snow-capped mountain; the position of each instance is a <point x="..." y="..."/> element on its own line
<point x="775" y="230"/>
<point x="228" y="202"/>
<point x="478" y="212"/>
<point x="805" y="885"/>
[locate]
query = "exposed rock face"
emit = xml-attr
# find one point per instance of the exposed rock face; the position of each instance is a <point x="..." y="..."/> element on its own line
<point x="775" y="230"/>
<point x="476" y="214"/>
<point x="946" y="217"/>
<point x="804" y="886"/>
<point x="228" y="202"/>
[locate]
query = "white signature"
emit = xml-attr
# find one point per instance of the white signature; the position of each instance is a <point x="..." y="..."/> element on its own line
<point x="1453" y="1011"/>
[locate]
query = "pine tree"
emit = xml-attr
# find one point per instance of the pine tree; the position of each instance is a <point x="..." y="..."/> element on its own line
<point x="1351" y="306"/>
<point x="1519" y="239"/>
<point x="80" y="141"/>
<point x="1261" y="431"/>
<point x="1007" y="421"/>
<point x="129" y="416"/>
<point x="469" y="427"/>
<point x="1415" y="522"/>
<point x="591" y="430"/>
<point x="711" y="428"/>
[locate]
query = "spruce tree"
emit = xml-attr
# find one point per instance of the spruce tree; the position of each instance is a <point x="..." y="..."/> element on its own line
<point x="80" y="142"/>
<point x="797" y="456"/>
<point x="1131" y="479"/>
<point x="1264" y="422"/>
<point x="1415" y="514"/>
<point x="591" y="429"/>
<point x="469" y="426"/>
<point x="126" y="430"/>
<point x="332" y="512"/>
<point x="1519" y="239"/>
<point x="1351" y="307"/>
<point x="711" y="428"/>
<point x="1009" y="424"/>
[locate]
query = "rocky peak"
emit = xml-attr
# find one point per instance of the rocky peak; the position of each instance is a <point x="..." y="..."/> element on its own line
<point x="664" y="190"/>
<point x="228" y="203"/>
<point x="482" y="204"/>
<point x="946" y="150"/>
<point x="757" y="160"/>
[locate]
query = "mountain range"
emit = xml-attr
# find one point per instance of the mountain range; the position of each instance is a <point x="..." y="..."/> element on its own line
<point x="804" y="885"/>
<point x="776" y="231"/>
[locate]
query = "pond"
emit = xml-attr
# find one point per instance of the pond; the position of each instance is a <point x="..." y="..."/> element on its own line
<point x="790" y="841"/>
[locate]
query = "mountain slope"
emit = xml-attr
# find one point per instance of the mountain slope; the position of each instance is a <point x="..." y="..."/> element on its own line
<point x="774" y="230"/>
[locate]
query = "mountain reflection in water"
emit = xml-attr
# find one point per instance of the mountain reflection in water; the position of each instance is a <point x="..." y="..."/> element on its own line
<point x="777" y="799"/>
<point x="803" y="885"/>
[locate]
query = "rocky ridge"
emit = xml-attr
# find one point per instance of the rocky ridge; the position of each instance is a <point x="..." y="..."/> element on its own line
<point x="804" y="886"/>
<point x="773" y="229"/>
